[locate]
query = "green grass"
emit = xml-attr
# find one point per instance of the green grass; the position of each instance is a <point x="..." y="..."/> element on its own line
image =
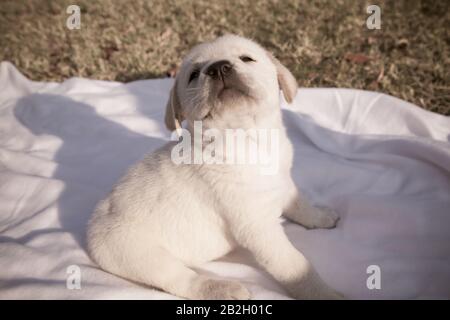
<point x="129" y="40"/>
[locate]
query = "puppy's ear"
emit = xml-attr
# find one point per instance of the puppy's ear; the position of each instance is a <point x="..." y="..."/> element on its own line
<point x="174" y="115"/>
<point x="286" y="80"/>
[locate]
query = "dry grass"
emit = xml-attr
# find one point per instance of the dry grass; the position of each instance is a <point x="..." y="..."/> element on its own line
<point x="317" y="40"/>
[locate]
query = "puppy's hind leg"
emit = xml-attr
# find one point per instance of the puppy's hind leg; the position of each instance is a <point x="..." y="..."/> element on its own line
<point x="166" y="272"/>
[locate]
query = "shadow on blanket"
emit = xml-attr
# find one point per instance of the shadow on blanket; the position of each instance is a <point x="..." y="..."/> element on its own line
<point x="93" y="154"/>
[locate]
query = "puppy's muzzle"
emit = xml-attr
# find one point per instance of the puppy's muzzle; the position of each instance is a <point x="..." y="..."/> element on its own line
<point x="219" y="69"/>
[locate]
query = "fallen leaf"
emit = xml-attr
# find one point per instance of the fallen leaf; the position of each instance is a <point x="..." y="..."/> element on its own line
<point x="358" y="58"/>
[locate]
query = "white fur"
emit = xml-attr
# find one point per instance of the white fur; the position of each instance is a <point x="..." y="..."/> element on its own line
<point x="162" y="219"/>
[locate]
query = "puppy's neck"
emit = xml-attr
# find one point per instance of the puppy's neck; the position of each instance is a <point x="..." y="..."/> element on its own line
<point x="245" y="121"/>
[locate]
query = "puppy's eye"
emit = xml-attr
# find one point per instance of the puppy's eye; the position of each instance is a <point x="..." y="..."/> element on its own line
<point x="247" y="59"/>
<point x="194" y="75"/>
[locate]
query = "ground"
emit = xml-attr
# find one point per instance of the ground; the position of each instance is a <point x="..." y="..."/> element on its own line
<point x="324" y="43"/>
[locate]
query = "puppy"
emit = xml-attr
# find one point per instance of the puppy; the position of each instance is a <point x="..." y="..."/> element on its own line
<point x="164" y="218"/>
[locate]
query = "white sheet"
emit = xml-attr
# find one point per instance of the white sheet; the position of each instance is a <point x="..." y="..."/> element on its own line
<point x="382" y="163"/>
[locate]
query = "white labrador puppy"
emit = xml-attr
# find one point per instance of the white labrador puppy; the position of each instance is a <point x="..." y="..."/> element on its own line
<point x="163" y="219"/>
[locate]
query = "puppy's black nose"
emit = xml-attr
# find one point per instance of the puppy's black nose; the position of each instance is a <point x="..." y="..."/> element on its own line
<point x="220" y="68"/>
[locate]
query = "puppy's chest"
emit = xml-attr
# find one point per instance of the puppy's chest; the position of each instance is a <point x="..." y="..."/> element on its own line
<point x="242" y="185"/>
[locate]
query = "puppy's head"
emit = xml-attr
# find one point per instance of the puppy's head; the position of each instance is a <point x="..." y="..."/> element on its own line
<point x="228" y="78"/>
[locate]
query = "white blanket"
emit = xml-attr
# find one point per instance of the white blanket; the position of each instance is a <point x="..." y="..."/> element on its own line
<point x="382" y="163"/>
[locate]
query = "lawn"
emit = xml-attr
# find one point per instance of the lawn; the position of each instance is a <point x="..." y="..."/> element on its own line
<point x="324" y="43"/>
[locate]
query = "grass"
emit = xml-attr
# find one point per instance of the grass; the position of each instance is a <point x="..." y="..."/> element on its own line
<point x="324" y="43"/>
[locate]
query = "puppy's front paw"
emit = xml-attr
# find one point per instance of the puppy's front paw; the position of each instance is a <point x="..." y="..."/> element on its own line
<point x="325" y="218"/>
<point x="212" y="289"/>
